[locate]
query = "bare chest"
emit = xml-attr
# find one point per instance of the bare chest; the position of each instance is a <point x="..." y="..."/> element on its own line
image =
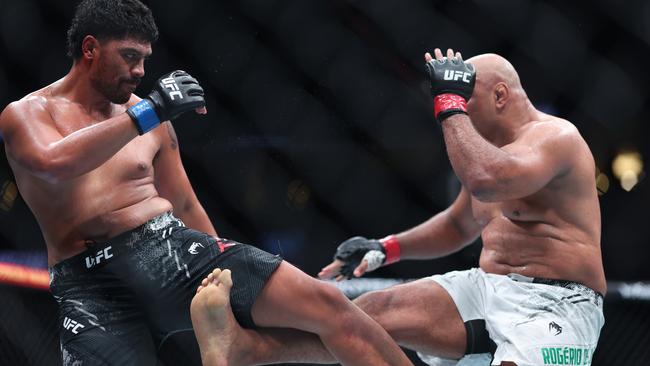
<point x="533" y="208"/>
<point x="69" y="117"/>
<point x="133" y="161"/>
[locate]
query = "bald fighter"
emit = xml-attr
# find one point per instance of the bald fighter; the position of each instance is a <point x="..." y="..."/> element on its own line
<point x="528" y="190"/>
<point x="127" y="239"/>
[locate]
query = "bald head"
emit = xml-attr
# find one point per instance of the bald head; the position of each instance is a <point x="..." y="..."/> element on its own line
<point x="492" y="69"/>
<point x="498" y="101"/>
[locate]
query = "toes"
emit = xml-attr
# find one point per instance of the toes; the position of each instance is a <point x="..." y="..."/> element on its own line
<point x="215" y="276"/>
<point x="226" y="278"/>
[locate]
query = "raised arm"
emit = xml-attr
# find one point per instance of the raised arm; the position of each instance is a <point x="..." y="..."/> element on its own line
<point x="32" y="140"/>
<point x="517" y="170"/>
<point x="540" y="150"/>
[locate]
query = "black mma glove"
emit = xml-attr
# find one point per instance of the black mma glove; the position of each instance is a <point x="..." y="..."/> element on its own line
<point x="376" y="252"/>
<point x="173" y="95"/>
<point x="452" y="84"/>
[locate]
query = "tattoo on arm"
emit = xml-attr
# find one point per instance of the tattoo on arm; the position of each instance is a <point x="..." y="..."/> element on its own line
<point x="172" y="136"/>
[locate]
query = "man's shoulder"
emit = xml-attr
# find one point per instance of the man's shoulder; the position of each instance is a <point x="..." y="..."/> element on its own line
<point x="560" y="138"/>
<point x="30" y="102"/>
<point x="552" y="129"/>
<point x="13" y="115"/>
<point x="35" y="99"/>
<point x="557" y="137"/>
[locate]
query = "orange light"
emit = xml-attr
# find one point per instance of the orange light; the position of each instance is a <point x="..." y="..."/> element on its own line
<point x="15" y="274"/>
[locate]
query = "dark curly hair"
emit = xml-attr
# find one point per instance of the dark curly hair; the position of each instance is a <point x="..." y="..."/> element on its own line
<point x="110" y="19"/>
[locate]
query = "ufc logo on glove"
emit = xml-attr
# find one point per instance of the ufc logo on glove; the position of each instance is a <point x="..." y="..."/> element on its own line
<point x="170" y="84"/>
<point x="455" y="75"/>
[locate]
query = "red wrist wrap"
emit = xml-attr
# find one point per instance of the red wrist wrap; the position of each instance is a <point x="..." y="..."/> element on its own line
<point x="447" y="101"/>
<point x="391" y="245"/>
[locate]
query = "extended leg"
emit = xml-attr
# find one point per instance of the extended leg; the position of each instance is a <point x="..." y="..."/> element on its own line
<point x="224" y="342"/>
<point x="293" y="299"/>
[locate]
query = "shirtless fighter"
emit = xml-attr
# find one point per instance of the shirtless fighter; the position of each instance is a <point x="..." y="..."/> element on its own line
<point x="100" y="169"/>
<point x="528" y="190"/>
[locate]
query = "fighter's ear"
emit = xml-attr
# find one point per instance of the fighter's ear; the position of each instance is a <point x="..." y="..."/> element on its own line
<point x="89" y="46"/>
<point x="501" y="95"/>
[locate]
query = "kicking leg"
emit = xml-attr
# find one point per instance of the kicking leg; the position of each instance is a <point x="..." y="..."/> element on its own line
<point x="419" y="315"/>
<point x="292" y="299"/>
<point x="223" y="341"/>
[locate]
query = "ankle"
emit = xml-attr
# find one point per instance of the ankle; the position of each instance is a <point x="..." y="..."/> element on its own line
<point x="212" y="357"/>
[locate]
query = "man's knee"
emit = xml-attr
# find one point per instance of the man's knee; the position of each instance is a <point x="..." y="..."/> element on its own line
<point x="375" y="303"/>
<point x="332" y="299"/>
<point x="335" y="311"/>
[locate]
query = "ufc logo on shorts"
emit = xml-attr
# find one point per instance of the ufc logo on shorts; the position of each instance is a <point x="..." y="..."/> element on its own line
<point x="455" y="75"/>
<point x="101" y="255"/>
<point x="170" y="84"/>
<point x="72" y="325"/>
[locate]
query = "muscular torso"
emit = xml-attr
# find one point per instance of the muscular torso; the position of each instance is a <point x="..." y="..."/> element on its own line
<point x="554" y="233"/>
<point x="115" y="197"/>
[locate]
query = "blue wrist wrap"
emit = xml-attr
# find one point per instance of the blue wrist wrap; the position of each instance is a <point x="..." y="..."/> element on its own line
<point x="144" y="116"/>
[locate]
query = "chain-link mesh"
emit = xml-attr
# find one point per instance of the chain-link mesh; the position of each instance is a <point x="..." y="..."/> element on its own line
<point x="320" y="127"/>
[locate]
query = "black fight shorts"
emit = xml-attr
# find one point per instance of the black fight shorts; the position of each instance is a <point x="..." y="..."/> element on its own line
<point x="126" y="301"/>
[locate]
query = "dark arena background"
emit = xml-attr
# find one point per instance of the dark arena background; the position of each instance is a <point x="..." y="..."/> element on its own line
<point x="320" y="128"/>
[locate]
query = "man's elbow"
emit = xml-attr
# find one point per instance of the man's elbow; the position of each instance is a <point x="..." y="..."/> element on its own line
<point x="51" y="170"/>
<point x="186" y="205"/>
<point x="492" y="182"/>
<point x="484" y="187"/>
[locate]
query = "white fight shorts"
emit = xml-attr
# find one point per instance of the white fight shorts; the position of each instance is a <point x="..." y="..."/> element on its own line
<point x="531" y="321"/>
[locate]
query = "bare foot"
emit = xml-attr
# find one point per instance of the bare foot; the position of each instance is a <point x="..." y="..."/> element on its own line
<point x="214" y="324"/>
